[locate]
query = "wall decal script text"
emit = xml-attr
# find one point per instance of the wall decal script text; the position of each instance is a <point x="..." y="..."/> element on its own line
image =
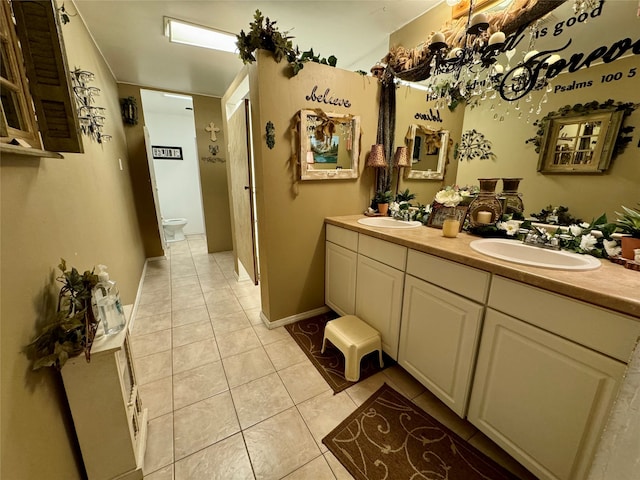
<point x="327" y="98"/>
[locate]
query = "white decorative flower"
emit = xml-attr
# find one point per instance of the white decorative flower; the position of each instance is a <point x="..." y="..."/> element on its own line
<point x="448" y="198"/>
<point x="611" y="247"/>
<point x="512" y="227"/>
<point x="584" y="225"/>
<point x="588" y="242"/>
<point x="575" y="230"/>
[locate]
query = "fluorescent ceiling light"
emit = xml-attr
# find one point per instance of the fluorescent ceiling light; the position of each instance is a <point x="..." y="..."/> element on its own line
<point x="190" y="34"/>
<point x="175" y="95"/>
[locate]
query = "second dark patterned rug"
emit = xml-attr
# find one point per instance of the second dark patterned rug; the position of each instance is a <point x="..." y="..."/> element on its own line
<point x="389" y="437"/>
<point x="309" y="333"/>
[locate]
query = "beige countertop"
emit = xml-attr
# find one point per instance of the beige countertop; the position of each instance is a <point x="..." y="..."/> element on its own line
<point x="611" y="286"/>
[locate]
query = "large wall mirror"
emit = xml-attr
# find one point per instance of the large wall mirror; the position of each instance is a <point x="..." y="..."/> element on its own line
<point x="329" y="145"/>
<point x="579" y="143"/>
<point x="428" y="149"/>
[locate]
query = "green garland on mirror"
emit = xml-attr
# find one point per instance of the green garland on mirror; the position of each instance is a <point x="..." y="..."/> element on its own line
<point x="623" y="138"/>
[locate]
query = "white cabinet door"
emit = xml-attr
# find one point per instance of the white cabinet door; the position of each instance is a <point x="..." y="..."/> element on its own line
<point x="540" y="397"/>
<point x="379" y="300"/>
<point x="340" y="279"/>
<point x="438" y="340"/>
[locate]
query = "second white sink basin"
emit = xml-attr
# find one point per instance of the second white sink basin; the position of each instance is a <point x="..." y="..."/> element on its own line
<point x="514" y="251"/>
<point x="388" y="222"/>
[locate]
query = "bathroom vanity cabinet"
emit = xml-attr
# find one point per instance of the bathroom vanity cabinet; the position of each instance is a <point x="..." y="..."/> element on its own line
<point x="535" y="371"/>
<point x="110" y="422"/>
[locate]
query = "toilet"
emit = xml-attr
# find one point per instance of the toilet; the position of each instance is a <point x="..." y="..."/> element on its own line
<point x="173" y="229"/>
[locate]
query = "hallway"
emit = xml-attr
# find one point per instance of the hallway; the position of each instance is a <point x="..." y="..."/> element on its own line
<point x="229" y="398"/>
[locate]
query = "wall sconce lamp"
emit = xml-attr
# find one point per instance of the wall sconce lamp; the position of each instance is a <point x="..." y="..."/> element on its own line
<point x="129" y="108"/>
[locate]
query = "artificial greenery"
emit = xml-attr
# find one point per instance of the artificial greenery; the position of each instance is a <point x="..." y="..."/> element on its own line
<point x="73" y="327"/>
<point x="383" y="197"/>
<point x="629" y="221"/>
<point x="263" y="34"/>
<point x="405" y="196"/>
<point x="623" y="138"/>
<point x="556" y="215"/>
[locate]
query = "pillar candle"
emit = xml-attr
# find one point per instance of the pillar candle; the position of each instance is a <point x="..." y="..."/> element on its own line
<point x="483" y="217"/>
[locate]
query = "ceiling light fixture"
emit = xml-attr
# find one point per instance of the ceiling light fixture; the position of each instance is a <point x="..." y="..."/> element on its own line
<point x="187" y="33"/>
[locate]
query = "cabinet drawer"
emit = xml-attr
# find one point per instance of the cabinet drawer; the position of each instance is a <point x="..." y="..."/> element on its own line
<point x="463" y="280"/>
<point x="386" y="252"/>
<point x="343" y="237"/>
<point x="611" y="333"/>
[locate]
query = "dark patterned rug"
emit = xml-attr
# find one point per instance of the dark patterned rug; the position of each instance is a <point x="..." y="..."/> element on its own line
<point x="389" y="437"/>
<point x="309" y="333"/>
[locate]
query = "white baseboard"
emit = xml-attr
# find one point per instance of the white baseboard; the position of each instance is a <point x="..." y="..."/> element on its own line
<point x="139" y="293"/>
<point x="293" y="318"/>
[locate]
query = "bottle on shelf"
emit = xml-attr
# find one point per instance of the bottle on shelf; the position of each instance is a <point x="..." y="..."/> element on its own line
<point x="107" y="299"/>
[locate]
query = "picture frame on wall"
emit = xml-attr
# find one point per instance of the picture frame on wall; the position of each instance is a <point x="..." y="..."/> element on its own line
<point x="439" y="212"/>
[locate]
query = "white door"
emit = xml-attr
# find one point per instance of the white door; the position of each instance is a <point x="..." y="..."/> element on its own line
<point x="154" y="186"/>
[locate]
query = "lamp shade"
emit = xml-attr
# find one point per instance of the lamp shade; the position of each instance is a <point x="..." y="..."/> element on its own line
<point x="376" y="157"/>
<point x="401" y="159"/>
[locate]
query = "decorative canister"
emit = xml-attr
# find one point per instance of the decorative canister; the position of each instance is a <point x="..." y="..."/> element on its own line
<point x="485" y="209"/>
<point x="451" y="224"/>
<point x="510" y="198"/>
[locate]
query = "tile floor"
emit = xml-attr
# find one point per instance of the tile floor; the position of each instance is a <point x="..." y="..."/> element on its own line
<point x="230" y="399"/>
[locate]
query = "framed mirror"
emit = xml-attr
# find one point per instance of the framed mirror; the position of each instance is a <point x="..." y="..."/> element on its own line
<point x="579" y="143"/>
<point x="329" y="145"/>
<point x="428" y="149"/>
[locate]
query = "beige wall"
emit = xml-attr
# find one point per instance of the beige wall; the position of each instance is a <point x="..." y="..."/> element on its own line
<point x="290" y="212"/>
<point x="213" y="176"/>
<point x="420" y="29"/>
<point x="80" y="208"/>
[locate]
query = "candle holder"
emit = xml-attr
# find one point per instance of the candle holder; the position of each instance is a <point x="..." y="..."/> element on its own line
<point x="485" y="209"/>
<point x="511" y="200"/>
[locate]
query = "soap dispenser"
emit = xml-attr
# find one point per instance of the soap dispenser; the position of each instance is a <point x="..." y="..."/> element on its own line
<point x="107" y="300"/>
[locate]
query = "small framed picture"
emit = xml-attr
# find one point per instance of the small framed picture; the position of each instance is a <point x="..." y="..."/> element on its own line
<point x="166" y="153"/>
<point x="439" y="212"/>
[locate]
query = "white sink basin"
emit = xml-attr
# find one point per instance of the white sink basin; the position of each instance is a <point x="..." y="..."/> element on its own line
<point x="388" y="222"/>
<point x="514" y="251"/>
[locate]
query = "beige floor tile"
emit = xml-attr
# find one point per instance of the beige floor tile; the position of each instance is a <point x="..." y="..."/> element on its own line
<point x="204" y="423"/>
<point x="154" y="296"/>
<point x="181" y="291"/>
<point x="493" y="451"/>
<point x="225" y="460"/>
<point x="237" y="342"/>
<point x="223" y="307"/>
<point x="157" y="267"/>
<point x="367" y="387"/>
<point x="155" y="323"/>
<point x="143" y="345"/>
<point x="247" y="366"/>
<point x="211" y="281"/>
<point x="268" y="336"/>
<point x="318" y="469"/>
<point x="194" y="355"/>
<point x="219" y="295"/>
<point x="153" y="367"/>
<point x="403" y="381"/>
<point x="195" y="299"/>
<point x="153" y="309"/>
<point x="254" y="316"/>
<point x="280" y="445"/>
<point x="189" y="315"/>
<point x="161" y="285"/>
<point x="192" y="332"/>
<point x="190" y="281"/>
<point x="438" y="410"/>
<point x="159" y="452"/>
<point x="182" y="270"/>
<point x="303" y="381"/>
<point x="249" y="302"/>
<point x="324" y="412"/>
<point x="199" y="383"/>
<point x="260" y="399"/>
<point x="229" y="323"/>
<point x="337" y="468"/>
<point x="285" y="353"/>
<point x="157" y="397"/>
<point x="165" y="473"/>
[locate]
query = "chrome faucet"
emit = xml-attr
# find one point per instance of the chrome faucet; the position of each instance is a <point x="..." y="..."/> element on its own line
<point x="540" y="238"/>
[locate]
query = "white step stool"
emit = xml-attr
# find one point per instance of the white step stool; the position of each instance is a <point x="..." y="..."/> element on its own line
<point x="354" y="338"/>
